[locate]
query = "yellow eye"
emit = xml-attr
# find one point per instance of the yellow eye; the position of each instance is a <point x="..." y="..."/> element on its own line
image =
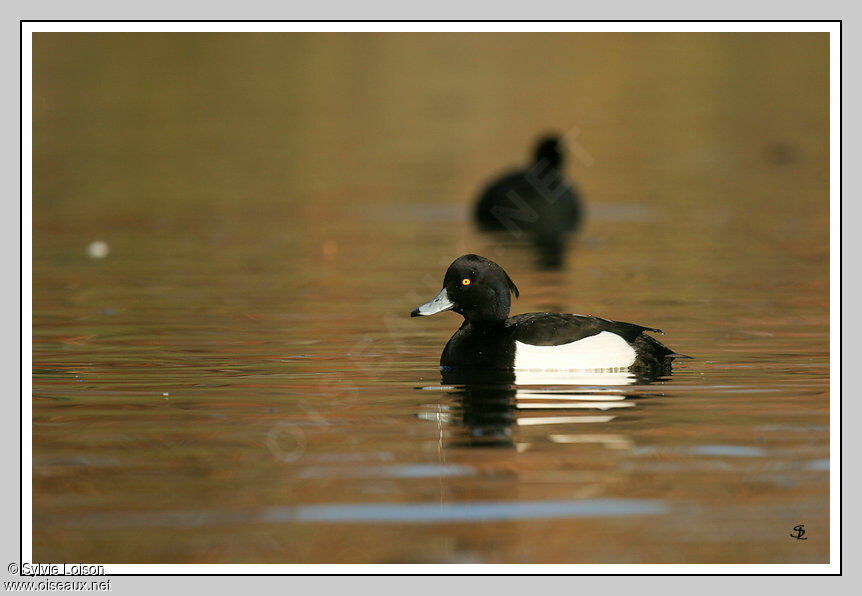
<point x="465" y="282"/>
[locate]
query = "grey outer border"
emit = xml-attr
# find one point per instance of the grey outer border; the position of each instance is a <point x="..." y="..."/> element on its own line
<point x="343" y="10"/>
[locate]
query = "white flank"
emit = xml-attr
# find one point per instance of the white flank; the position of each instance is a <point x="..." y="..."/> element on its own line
<point x="605" y="351"/>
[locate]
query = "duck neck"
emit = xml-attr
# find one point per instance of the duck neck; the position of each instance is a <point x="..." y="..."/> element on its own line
<point x="483" y="325"/>
<point x="548" y="155"/>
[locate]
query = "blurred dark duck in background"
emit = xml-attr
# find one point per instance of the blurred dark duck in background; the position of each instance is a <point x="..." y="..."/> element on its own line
<point x="536" y="203"/>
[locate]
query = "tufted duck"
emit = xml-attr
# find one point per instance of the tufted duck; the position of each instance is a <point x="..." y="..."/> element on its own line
<point x="537" y="201"/>
<point x="479" y="290"/>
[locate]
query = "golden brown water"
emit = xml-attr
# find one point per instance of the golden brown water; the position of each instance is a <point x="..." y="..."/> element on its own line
<point x="239" y="380"/>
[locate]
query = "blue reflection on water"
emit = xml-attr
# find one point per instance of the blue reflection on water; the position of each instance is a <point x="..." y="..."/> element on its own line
<point x="464" y="511"/>
<point x="393" y="471"/>
<point x="416" y="513"/>
<point x="730" y="450"/>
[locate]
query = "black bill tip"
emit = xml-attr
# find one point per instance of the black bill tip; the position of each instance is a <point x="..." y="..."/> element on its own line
<point x="415" y="313"/>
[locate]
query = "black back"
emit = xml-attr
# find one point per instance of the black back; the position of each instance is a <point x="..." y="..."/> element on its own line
<point x="553" y="329"/>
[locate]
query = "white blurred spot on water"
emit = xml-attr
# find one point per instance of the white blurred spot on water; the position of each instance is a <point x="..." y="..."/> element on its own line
<point x="98" y="249"/>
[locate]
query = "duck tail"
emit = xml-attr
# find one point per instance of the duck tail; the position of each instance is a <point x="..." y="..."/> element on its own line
<point x="669" y="353"/>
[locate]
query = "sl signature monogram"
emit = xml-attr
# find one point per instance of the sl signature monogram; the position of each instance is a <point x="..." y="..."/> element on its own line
<point x="799" y="532"/>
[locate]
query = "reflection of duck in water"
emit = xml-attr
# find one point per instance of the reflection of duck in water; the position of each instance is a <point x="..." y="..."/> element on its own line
<point x="479" y="290"/>
<point x="537" y="200"/>
<point x="489" y="411"/>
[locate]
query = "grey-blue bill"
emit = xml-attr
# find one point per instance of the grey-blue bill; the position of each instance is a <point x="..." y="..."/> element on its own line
<point x="438" y="303"/>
